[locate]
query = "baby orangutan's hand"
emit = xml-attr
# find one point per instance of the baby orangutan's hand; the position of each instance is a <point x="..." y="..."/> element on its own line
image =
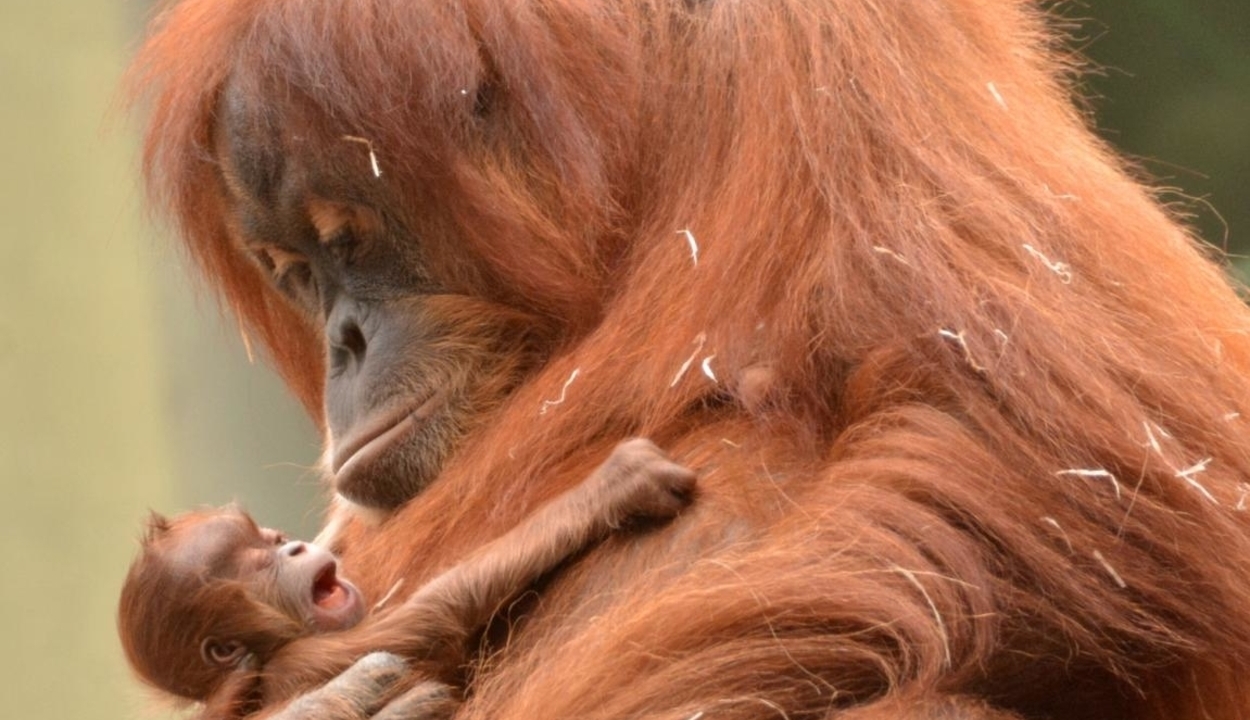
<point x="638" y="480"/>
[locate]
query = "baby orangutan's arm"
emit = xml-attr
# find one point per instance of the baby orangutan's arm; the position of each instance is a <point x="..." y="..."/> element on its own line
<point x="431" y="628"/>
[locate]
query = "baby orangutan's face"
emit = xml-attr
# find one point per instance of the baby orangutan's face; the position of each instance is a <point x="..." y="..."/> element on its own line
<point x="303" y="582"/>
<point x="298" y="579"/>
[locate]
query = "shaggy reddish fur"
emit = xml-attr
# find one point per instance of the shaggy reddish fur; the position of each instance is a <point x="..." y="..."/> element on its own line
<point x="960" y="292"/>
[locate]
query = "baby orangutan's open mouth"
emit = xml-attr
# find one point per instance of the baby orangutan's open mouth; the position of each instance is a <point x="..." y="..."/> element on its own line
<point x="337" y="604"/>
<point x="327" y="591"/>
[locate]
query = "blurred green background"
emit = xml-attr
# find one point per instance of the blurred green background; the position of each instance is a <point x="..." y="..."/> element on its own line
<point x="123" y="390"/>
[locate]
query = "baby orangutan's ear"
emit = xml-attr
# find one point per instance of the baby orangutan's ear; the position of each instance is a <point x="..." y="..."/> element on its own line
<point x="222" y="653"/>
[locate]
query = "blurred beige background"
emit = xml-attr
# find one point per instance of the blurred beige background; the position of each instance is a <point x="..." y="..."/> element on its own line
<point x="121" y="389"/>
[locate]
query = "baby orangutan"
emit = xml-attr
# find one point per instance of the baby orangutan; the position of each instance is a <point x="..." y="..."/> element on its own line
<point x="219" y="610"/>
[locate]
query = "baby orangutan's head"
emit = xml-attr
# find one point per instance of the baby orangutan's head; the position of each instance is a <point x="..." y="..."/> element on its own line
<point x="211" y="589"/>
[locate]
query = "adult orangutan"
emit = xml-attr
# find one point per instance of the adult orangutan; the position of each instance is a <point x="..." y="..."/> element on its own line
<point x="968" y="409"/>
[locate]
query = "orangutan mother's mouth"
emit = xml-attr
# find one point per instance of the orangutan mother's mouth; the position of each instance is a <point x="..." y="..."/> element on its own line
<point x="377" y="434"/>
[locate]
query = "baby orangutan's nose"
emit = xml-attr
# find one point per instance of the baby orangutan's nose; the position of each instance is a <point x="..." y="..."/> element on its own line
<point x="293" y="548"/>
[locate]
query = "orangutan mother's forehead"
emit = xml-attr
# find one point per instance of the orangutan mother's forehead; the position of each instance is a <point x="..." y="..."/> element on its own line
<point x="275" y="158"/>
<point x="249" y="144"/>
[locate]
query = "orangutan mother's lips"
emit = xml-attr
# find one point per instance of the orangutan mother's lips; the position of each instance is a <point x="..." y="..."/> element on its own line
<point x="377" y="434"/>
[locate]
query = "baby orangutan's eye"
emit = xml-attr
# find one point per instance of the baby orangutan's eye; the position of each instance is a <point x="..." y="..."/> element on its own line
<point x="222" y="652"/>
